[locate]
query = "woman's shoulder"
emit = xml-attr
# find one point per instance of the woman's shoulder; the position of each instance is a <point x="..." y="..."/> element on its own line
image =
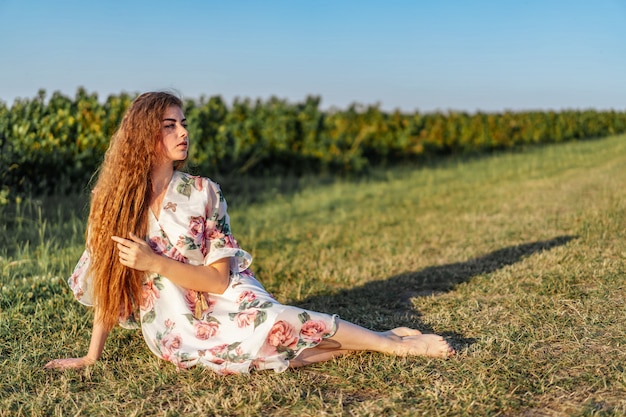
<point x="195" y="184"/>
<point x="197" y="181"/>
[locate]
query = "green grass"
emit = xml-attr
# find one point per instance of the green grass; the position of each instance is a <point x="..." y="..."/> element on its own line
<point x="517" y="258"/>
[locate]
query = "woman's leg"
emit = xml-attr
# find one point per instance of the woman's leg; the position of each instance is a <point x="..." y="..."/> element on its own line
<point x="350" y="337"/>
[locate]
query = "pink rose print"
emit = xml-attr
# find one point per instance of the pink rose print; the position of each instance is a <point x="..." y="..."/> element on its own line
<point x="282" y="334"/>
<point x="158" y="244"/>
<point x="218" y="352"/>
<point x="192" y="300"/>
<point x="176" y="255"/>
<point x="247" y="296"/>
<point x="169" y="324"/>
<point x="196" y="229"/>
<point x="191" y="296"/>
<point x="197" y="183"/>
<point x="246" y="317"/>
<point x="230" y="242"/>
<point x="312" y="331"/>
<point x="217" y="361"/>
<point x="215" y="234"/>
<point x="78" y="272"/>
<point x="170" y="344"/>
<point x="149" y="293"/>
<point x="78" y="293"/>
<point x="75" y="286"/>
<point x="205" y="330"/>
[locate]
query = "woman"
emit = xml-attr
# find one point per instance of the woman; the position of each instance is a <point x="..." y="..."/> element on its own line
<point x="160" y="252"/>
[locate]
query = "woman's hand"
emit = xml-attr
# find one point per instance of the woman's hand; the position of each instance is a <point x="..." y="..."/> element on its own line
<point x="96" y="345"/>
<point x="135" y="253"/>
<point x="69" y="363"/>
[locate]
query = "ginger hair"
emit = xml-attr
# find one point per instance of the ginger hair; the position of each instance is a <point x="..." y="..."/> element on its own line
<point x="120" y="204"/>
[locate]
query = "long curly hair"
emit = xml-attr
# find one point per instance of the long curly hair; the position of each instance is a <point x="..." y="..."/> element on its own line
<point x="120" y="203"/>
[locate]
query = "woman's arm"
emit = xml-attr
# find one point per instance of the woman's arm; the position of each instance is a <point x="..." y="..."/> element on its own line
<point x="137" y="254"/>
<point x="99" y="335"/>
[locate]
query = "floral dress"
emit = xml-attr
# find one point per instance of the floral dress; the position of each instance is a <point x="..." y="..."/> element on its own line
<point x="244" y="328"/>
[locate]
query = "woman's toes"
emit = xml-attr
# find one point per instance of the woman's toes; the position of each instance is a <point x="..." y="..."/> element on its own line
<point x="430" y="345"/>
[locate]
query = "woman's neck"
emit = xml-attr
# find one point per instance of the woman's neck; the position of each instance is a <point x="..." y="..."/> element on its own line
<point x="161" y="176"/>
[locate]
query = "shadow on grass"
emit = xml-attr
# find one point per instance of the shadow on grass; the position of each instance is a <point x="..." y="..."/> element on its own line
<point x="388" y="300"/>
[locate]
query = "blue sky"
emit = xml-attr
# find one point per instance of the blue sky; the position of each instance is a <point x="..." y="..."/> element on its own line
<point x="412" y="55"/>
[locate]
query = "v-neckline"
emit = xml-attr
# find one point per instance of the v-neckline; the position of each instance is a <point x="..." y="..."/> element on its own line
<point x="154" y="215"/>
<point x="157" y="216"/>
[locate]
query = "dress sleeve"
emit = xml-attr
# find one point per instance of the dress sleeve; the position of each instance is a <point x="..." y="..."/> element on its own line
<point x="80" y="281"/>
<point x="219" y="240"/>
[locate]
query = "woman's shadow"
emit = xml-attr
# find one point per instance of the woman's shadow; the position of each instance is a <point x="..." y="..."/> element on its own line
<point x="388" y="300"/>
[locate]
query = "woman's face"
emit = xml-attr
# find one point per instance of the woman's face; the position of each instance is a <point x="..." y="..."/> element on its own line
<point x="175" y="140"/>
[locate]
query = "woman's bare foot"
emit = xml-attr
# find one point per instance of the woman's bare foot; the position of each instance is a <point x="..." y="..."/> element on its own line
<point x="410" y="342"/>
<point x="402" y="331"/>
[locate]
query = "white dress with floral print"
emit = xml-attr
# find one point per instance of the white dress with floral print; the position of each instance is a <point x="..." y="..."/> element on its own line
<point x="242" y="329"/>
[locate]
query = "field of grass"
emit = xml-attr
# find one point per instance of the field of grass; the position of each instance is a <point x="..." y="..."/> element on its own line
<point x="517" y="258"/>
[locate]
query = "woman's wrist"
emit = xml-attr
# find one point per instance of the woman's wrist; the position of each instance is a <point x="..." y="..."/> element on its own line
<point x="159" y="264"/>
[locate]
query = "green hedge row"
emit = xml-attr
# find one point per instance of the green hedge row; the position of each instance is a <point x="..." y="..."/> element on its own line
<point x="55" y="144"/>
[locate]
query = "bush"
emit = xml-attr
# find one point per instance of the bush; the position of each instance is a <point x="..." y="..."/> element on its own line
<point x="55" y="145"/>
